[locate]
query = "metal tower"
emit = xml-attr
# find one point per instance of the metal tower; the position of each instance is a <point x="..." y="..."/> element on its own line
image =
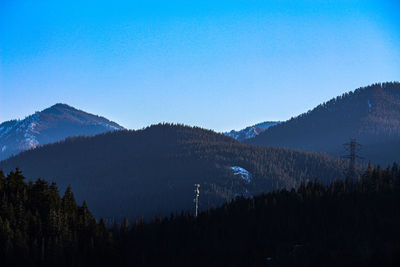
<point x="196" y="200"/>
<point x="352" y="147"/>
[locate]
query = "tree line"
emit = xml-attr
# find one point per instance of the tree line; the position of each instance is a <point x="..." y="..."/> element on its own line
<point x="38" y="227"/>
<point x="346" y="223"/>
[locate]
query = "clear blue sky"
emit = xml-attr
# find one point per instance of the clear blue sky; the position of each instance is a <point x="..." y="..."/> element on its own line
<point x="216" y="64"/>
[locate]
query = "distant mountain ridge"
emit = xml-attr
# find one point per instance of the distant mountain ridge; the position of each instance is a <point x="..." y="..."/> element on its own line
<point x="251" y="131"/>
<point x="50" y="125"/>
<point x="370" y="114"/>
<point x="152" y="171"/>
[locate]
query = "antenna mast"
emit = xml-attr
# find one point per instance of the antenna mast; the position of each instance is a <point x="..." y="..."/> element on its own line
<point x="352" y="147"/>
<point x="196" y="200"/>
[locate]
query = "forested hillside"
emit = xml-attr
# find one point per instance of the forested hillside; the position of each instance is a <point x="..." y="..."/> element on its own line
<point x="352" y="223"/>
<point x="370" y="114"/>
<point x="152" y="171"/>
<point x="348" y="223"/>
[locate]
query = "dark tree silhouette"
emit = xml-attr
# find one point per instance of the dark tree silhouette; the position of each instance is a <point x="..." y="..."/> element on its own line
<point x="346" y="223"/>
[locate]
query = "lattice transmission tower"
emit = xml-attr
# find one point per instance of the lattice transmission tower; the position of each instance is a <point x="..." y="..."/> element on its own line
<point x="352" y="148"/>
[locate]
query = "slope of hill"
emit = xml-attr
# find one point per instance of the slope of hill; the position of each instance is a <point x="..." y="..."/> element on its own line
<point x="152" y="171"/>
<point x="251" y="131"/>
<point x="351" y="223"/>
<point x="343" y="224"/>
<point x="50" y="125"/>
<point x="370" y="114"/>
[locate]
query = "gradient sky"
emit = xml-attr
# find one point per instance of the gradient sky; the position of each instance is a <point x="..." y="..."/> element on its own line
<point x="217" y="64"/>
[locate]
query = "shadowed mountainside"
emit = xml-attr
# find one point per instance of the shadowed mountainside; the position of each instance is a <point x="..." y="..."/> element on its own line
<point x="370" y="114"/>
<point x="152" y="171"/>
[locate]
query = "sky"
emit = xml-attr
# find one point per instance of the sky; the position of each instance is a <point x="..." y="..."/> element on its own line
<point x="220" y="65"/>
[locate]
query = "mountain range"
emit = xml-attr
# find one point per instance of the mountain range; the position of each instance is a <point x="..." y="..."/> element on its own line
<point x="371" y="115"/>
<point x="152" y="171"/>
<point x="48" y="126"/>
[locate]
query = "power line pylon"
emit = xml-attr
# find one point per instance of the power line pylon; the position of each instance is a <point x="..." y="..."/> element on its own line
<point x="196" y="199"/>
<point x="353" y="148"/>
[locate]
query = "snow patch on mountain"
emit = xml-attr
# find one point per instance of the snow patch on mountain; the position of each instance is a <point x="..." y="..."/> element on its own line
<point x="6" y="127"/>
<point x="30" y="138"/>
<point x="242" y="173"/>
<point x="245" y="178"/>
<point x="3" y="148"/>
<point x="109" y="126"/>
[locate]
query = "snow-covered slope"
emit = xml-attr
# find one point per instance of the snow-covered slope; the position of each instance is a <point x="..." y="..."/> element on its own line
<point x="242" y="173"/>
<point x="251" y="131"/>
<point x="245" y="178"/>
<point x="50" y="125"/>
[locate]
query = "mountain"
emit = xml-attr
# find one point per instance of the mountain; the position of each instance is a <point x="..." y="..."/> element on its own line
<point x="50" y="125"/>
<point x="153" y="170"/>
<point x="369" y="114"/>
<point x="251" y="131"/>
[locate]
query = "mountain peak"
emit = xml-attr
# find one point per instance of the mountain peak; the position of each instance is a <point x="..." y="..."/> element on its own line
<point x="58" y="107"/>
<point x="53" y="124"/>
<point x="62" y="105"/>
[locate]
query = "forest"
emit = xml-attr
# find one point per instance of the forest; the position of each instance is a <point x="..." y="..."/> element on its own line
<point x="154" y="169"/>
<point x="352" y="222"/>
<point x="369" y="114"/>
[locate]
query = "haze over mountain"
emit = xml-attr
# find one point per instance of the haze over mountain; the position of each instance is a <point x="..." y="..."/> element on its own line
<point x="251" y="131"/>
<point x="50" y="125"/>
<point x="152" y="171"/>
<point x="370" y="114"/>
